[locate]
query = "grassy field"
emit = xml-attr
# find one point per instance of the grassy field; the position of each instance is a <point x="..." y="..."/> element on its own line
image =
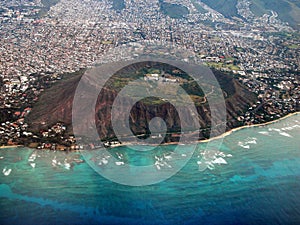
<point x="293" y="47"/>
<point x="226" y="7"/>
<point x="220" y="65"/>
<point x="49" y="3"/>
<point x="173" y="10"/>
<point x="118" y="5"/>
<point x="106" y="42"/>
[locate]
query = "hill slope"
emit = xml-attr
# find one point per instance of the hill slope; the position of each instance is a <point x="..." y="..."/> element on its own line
<point x="288" y="10"/>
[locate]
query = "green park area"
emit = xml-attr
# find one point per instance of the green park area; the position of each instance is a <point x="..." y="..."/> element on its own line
<point x="173" y="10"/>
<point x="221" y="65"/>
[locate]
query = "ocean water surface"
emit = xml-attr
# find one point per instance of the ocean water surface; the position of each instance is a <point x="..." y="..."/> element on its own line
<point x="254" y="178"/>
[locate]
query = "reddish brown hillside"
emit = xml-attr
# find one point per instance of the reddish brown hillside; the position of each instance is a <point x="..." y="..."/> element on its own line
<point x="55" y="105"/>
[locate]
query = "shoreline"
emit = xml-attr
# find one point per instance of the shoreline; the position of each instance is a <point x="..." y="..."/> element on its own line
<point x="228" y="132"/>
<point x="11" y="146"/>
<point x="200" y="141"/>
<point x="248" y="126"/>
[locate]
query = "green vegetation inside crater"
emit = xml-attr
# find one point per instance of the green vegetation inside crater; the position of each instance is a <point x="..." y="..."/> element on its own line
<point x="148" y="76"/>
<point x="157" y="78"/>
<point x="153" y="101"/>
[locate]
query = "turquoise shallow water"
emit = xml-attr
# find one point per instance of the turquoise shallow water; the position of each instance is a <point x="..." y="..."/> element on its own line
<point x="260" y="184"/>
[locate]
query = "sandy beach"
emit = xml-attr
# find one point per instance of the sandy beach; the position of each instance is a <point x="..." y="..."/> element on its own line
<point x="248" y="126"/>
<point x="228" y="132"/>
<point x="11" y="146"/>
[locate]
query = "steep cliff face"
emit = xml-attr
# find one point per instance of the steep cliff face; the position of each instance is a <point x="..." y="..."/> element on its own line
<point x="55" y="105"/>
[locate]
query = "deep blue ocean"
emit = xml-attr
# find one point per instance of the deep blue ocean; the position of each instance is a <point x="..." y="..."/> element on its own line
<point x="260" y="184"/>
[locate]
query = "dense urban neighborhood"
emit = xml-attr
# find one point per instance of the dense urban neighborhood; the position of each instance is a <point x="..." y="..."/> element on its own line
<point x="42" y="42"/>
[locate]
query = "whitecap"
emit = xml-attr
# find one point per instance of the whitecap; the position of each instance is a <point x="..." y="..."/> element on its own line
<point x="209" y="154"/>
<point x="1" y="157"/>
<point x="240" y="143"/>
<point x="287" y="128"/>
<point x="67" y="166"/>
<point x="168" y="165"/>
<point x="222" y="154"/>
<point x="6" y="171"/>
<point x="119" y="163"/>
<point x="199" y="162"/>
<point x="160" y="163"/>
<point x="167" y="157"/>
<point x="290" y="128"/>
<point x="119" y="155"/>
<point x="104" y="161"/>
<point x="54" y="162"/>
<point x="264" y="133"/>
<point x="211" y="157"/>
<point x="32" y="165"/>
<point x="219" y="161"/>
<point x="210" y="165"/>
<point x="285" y="134"/>
<point x="245" y="146"/>
<point x="78" y="160"/>
<point x="32" y="157"/>
<point x="157" y="164"/>
<point x="251" y="142"/>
